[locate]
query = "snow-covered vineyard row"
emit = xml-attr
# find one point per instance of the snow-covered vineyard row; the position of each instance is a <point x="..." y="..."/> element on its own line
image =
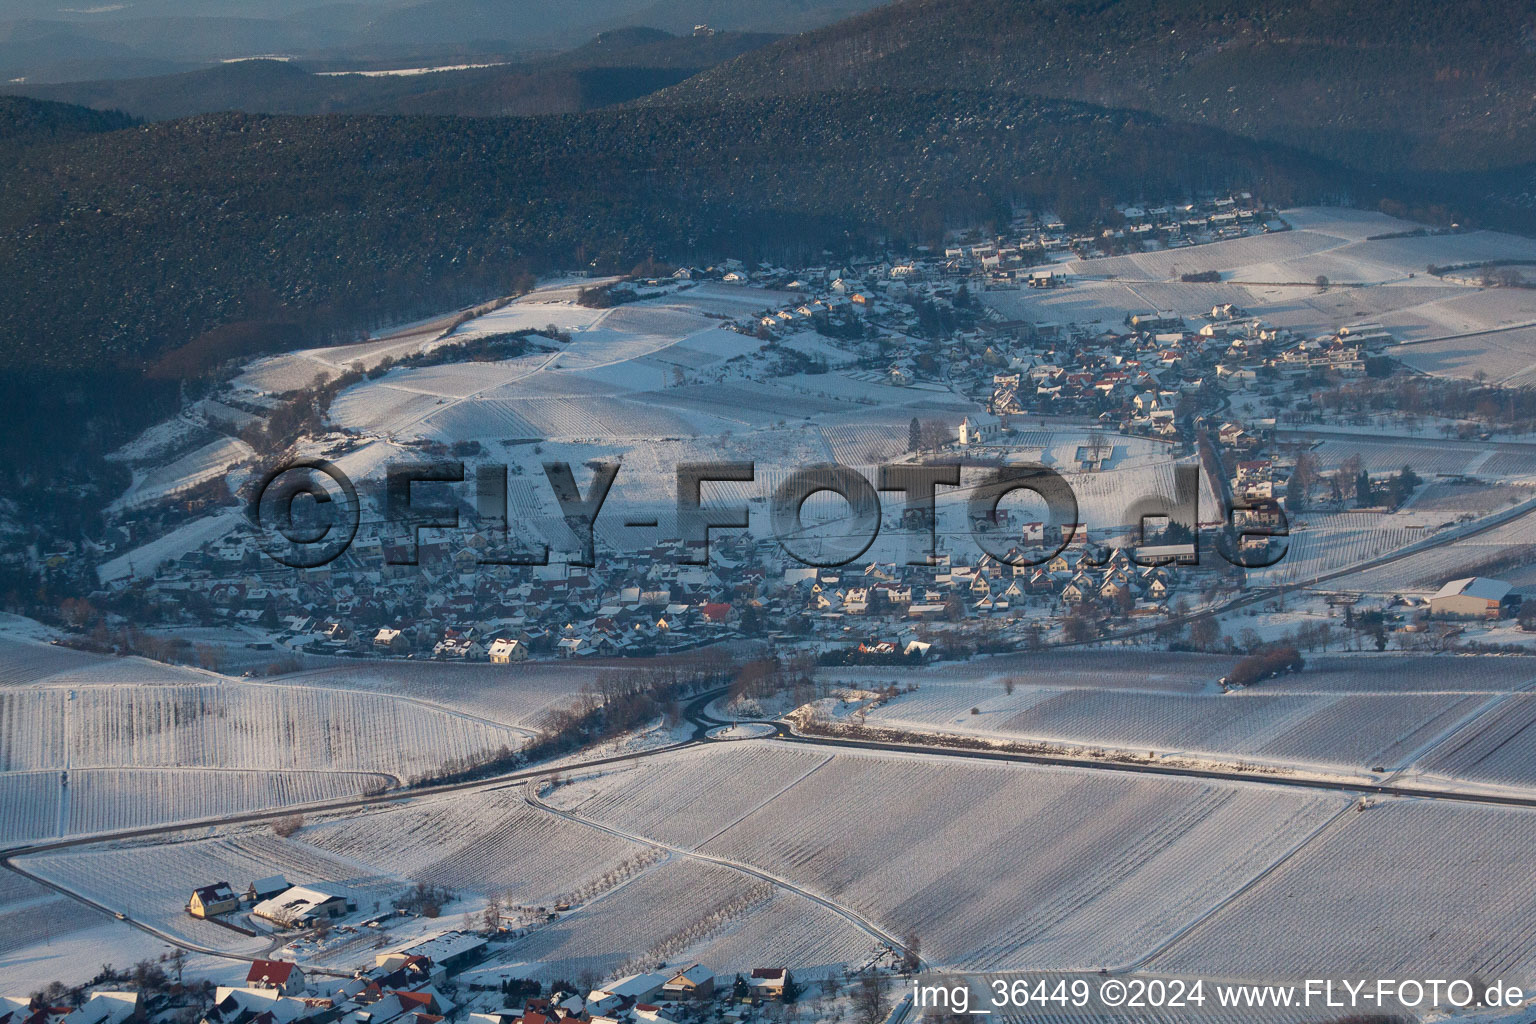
<point x="704" y="791"/>
<point x="1329" y="542"/>
<point x="1190" y="673"/>
<point x="1493" y="553"/>
<point x="519" y="698"/>
<point x="896" y="839"/>
<point x="1402" y="887"/>
<point x="233" y="725"/>
<point x="1078" y="869"/>
<point x="100" y="800"/>
<point x="24" y="662"/>
<point x="479" y="843"/>
<point x="29" y="910"/>
<point x="1083" y="870"/>
<point x="1498" y="748"/>
<point x="690" y="910"/>
<point x="1386" y="456"/>
<point x="1352" y="733"/>
<point x="206" y="463"/>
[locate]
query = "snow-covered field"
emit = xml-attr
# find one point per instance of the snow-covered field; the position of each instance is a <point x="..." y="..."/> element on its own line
<point x="233" y="725"/>
<point x="687" y="910"/>
<point x="1496" y="552"/>
<point x="1341" y="733"/>
<point x="1398" y="890"/>
<point x="38" y="805"/>
<point x="482" y="842"/>
<point x="517" y="696"/>
<point x="1274" y="276"/>
<point x="994" y="866"/>
<point x="210" y="462"/>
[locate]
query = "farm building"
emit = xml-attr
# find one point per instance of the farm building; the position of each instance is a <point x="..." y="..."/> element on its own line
<point x="452" y="951"/>
<point x="213" y="900"/>
<point x="266" y="888"/>
<point x="301" y="906"/>
<point x="1475" y="597"/>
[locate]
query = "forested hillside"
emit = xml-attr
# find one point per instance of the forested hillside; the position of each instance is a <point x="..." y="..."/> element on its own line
<point x="238" y="232"/>
<point x="136" y="242"/>
<point x="1383" y="84"/>
<point x="27" y="122"/>
<point x="613" y="68"/>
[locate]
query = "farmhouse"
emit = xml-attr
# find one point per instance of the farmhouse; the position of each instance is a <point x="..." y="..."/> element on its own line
<point x="1475" y="597"/>
<point x="213" y="900"/>
<point x="301" y="906"/>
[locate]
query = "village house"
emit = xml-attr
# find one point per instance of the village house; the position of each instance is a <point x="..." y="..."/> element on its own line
<point x="695" y="982"/>
<point x="281" y="977"/>
<point x="213" y="900"/>
<point x="392" y="641"/>
<point x="505" y="652"/>
<point x="769" y="983"/>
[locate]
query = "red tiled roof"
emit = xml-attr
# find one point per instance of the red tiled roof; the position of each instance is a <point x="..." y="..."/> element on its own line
<point x="273" y="972"/>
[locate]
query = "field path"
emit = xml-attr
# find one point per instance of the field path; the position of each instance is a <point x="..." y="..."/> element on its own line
<point x="853" y="917"/>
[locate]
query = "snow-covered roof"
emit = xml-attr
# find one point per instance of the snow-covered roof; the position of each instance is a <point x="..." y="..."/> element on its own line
<point x="293" y="904"/>
<point x="1475" y="586"/>
<point x="635" y="986"/>
<point x="443" y="946"/>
